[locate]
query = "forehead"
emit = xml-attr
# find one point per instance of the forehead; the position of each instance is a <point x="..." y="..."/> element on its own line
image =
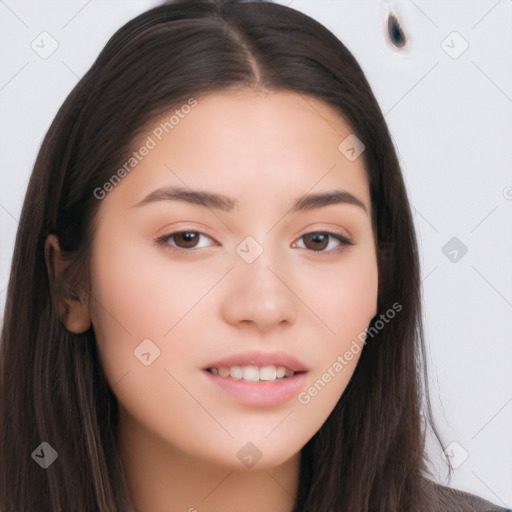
<point x="250" y="116"/>
<point x="248" y="143"/>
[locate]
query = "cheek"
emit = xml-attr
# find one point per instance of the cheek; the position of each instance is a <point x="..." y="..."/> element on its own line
<point x="139" y="296"/>
<point x="140" y="293"/>
<point x="352" y="301"/>
<point x="345" y="296"/>
<point x="136" y="297"/>
<point x="345" y="304"/>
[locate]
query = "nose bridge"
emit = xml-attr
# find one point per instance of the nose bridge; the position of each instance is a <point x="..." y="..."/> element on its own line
<point x="258" y="292"/>
<point x="258" y="266"/>
<point x="261" y="259"/>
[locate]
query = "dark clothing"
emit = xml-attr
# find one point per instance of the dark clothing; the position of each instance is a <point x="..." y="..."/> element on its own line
<point x="446" y="499"/>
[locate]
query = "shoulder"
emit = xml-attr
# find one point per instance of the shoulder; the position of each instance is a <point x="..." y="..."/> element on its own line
<point x="444" y="499"/>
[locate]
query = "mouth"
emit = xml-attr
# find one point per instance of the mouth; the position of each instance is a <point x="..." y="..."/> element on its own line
<point x="252" y="373"/>
<point x="255" y="366"/>
<point x="274" y="391"/>
<point x="257" y="378"/>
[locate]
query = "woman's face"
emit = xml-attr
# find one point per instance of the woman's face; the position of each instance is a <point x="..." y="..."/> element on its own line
<point x="253" y="278"/>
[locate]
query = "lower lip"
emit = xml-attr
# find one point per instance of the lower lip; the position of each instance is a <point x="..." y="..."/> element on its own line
<point x="261" y="393"/>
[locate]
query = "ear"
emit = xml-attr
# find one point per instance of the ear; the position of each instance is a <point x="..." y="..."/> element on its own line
<point x="72" y="309"/>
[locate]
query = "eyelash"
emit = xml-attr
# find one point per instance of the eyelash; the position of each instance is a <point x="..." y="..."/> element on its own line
<point x="344" y="242"/>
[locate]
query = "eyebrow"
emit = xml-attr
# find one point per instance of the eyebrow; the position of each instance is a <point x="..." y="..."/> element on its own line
<point x="227" y="204"/>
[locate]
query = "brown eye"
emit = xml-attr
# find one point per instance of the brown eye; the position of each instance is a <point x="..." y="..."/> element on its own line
<point x="319" y="241"/>
<point x="186" y="239"/>
<point x="182" y="240"/>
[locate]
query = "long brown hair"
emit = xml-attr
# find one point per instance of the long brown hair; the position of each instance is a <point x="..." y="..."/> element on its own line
<point x="369" y="454"/>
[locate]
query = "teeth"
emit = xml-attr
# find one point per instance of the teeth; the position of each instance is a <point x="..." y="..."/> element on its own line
<point x="253" y="373"/>
<point x="250" y="373"/>
<point x="224" y="372"/>
<point x="236" y="372"/>
<point x="268" y="373"/>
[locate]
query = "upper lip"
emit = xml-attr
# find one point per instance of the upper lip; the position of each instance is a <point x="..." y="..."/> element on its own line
<point x="256" y="358"/>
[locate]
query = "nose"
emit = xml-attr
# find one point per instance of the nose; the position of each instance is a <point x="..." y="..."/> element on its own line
<point x="260" y="293"/>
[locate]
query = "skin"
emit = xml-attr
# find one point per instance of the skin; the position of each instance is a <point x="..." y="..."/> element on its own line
<point x="179" y="434"/>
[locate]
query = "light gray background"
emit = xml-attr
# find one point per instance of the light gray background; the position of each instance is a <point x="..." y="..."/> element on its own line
<point x="450" y="117"/>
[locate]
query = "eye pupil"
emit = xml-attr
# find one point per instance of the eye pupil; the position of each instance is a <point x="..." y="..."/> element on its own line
<point x="317" y="238"/>
<point x="188" y="236"/>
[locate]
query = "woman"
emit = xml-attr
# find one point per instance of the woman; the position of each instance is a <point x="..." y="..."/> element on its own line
<point x="214" y="301"/>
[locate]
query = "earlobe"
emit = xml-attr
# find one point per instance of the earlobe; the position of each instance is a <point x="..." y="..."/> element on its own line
<point x="71" y="309"/>
<point x="77" y="320"/>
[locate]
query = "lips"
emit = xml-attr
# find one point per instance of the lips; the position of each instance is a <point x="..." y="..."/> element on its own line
<point x="258" y="394"/>
<point x="260" y="359"/>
